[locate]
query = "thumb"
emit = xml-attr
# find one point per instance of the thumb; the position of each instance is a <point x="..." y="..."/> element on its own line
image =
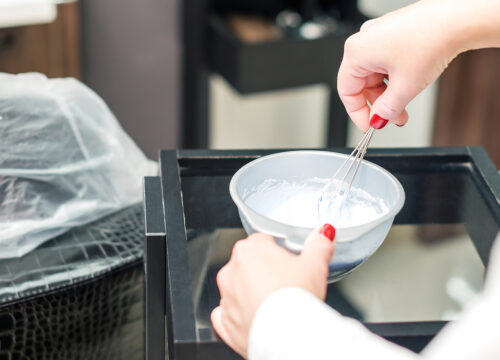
<point x="218" y="324"/>
<point x="390" y="105"/>
<point x="319" y="245"/>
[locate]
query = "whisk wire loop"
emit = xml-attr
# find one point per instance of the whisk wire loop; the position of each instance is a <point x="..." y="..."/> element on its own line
<point x="354" y="159"/>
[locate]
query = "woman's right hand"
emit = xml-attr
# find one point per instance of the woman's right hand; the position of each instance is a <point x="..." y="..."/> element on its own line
<point x="409" y="48"/>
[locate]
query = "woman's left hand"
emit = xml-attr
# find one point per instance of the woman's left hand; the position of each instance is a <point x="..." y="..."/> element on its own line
<point x="259" y="267"/>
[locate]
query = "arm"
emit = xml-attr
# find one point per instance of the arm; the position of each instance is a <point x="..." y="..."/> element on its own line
<point x="293" y="324"/>
<point x="476" y="335"/>
<point x="271" y="308"/>
<point x="394" y="57"/>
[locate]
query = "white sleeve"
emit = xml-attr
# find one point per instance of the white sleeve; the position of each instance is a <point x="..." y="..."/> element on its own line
<point x="477" y="334"/>
<point x="293" y="324"/>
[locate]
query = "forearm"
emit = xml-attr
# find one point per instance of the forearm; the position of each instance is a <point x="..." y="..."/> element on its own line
<point x="487" y="24"/>
<point x="470" y="24"/>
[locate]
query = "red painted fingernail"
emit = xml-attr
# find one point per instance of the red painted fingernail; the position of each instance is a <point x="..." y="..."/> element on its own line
<point x="378" y="122"/>
<point x="328" y="231"/>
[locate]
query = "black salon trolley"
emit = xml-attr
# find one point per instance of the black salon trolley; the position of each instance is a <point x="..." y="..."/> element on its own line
<point x="191" y="224"/>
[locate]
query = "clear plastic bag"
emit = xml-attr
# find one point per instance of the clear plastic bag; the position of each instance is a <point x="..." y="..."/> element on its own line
<point x="64" y="160"/>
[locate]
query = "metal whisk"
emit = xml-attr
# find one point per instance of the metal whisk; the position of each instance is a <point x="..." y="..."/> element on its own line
<point x="341" y="182"/>
<point x="347" y="178"/>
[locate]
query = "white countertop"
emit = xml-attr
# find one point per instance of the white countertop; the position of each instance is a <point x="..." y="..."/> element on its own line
<point x="26" y="12"/>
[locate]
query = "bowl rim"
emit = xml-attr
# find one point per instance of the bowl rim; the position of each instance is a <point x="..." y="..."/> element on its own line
<point x="400" y="199"/>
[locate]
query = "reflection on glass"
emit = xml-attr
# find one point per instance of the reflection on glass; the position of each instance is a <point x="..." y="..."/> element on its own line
<point x="420" y="273"/>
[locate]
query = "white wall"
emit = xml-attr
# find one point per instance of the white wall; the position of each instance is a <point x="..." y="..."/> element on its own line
<point x="376" y="8"/>
<point x="279" y="119"/>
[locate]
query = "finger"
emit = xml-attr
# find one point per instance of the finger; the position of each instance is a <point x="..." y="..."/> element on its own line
<point x="216" y="318"/>
<point x="368" y="23"/>
<point x="221" y="280"/>
<point x="402" y="119"/>
<point x="260" y="237"/>
<point x="320" y="246"/>
<point x="351" y="85"/>
<point x="373" y="94"/>
<point x="218" y="323"/>
<point x="237" y="249"/>
<point x="262" y="241"/>
<point x="375" y="80"/>
<point x="357" y="109"/>
<point x="391" y="104"/>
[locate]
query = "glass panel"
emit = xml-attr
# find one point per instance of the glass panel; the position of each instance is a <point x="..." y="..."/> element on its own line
<point x="420" y="273"/>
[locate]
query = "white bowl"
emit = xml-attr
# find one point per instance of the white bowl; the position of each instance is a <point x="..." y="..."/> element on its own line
<point x="355" y="244"/>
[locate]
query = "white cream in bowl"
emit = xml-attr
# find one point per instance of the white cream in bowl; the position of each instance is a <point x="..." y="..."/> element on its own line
<point x="296" y="203"/>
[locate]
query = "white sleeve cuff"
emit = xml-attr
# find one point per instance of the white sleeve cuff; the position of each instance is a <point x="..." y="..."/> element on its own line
<point x="293" y="324"/>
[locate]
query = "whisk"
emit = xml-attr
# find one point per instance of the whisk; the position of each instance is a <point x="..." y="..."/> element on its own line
<point x="340" y="183"/>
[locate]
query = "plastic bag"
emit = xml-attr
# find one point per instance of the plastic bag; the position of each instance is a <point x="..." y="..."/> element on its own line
<point x="64" y="160"/>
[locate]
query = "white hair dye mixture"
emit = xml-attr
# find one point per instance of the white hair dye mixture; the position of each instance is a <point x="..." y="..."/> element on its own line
<point x="296" y="203"/>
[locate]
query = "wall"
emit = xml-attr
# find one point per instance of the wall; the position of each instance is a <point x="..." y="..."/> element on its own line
<point x="131" y="58"/>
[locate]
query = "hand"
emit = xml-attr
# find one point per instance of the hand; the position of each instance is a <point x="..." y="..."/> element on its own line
<point x="257" y="268"/>
<point x="410" y="48"/>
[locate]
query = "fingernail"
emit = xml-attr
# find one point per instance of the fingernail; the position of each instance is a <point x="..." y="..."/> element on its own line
<point x="398" y="125"/>
<point x="328" y="231"/>
<point x="378" y="122"/>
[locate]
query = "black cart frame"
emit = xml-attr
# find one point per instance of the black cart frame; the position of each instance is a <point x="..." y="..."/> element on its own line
<point x="170" y="316"/>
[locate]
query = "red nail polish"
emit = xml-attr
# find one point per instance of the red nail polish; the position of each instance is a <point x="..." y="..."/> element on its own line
<point x="328" y="231"/>
<point x="378" y="122"/>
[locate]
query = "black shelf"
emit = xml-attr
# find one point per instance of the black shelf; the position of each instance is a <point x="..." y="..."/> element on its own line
<point x="274" y="65"/>
<point x="209" y="45"/>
